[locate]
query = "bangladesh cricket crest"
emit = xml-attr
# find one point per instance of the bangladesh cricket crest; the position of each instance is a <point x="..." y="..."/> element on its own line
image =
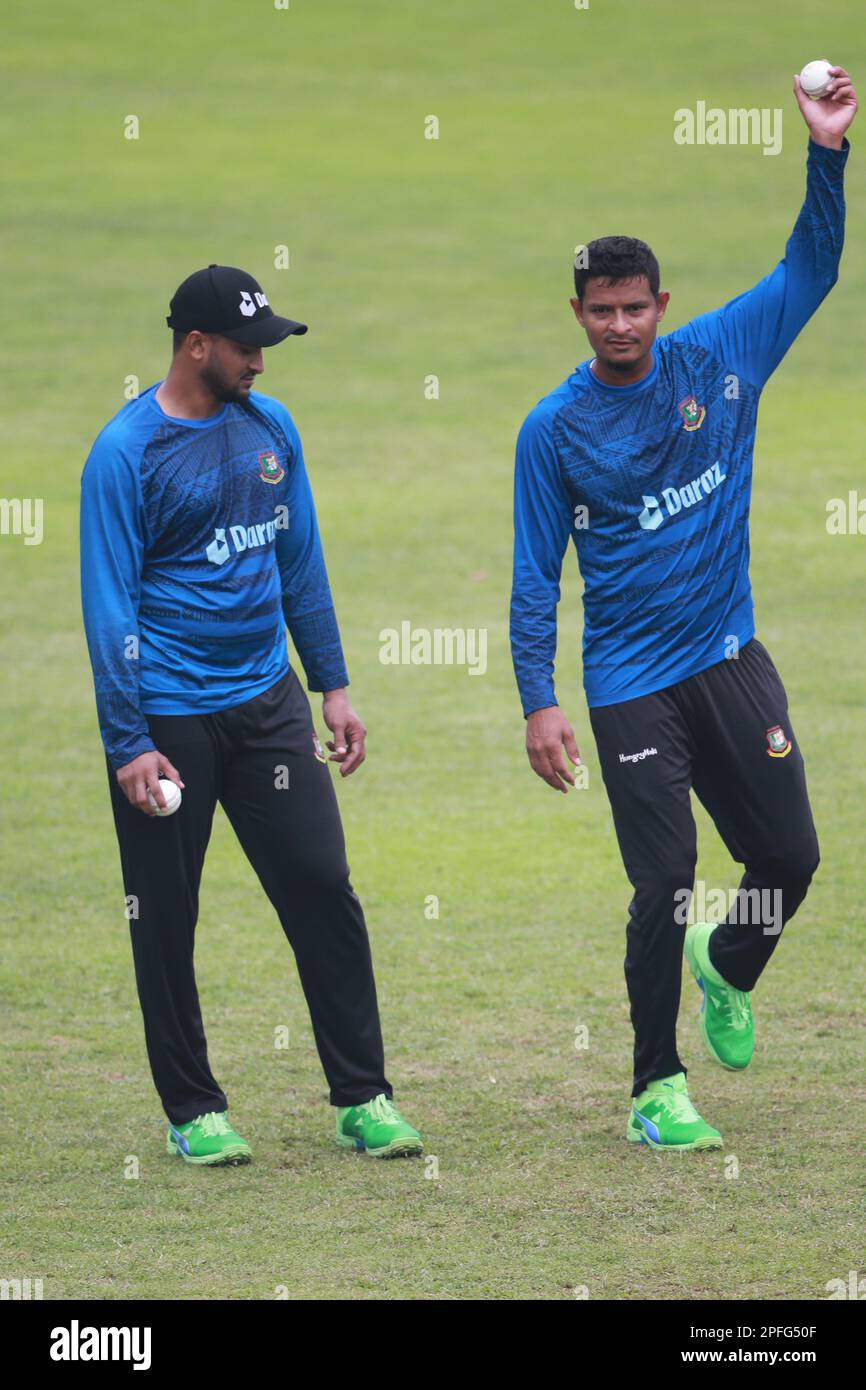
<point x="269" y="467"/>
<point x="779" y="745"/>
<point x="319" y="750"/>
<point x="692" y="413"/>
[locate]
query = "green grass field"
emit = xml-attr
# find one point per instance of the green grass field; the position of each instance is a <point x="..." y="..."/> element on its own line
<point x="411" y="257"/>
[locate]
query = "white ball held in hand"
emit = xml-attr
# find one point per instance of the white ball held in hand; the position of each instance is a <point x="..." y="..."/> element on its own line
<point x="171" y="792"/>
<point x="815" y="78"/>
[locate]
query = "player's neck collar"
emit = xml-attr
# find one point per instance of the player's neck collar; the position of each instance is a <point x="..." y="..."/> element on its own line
<point x="630" y="386"/>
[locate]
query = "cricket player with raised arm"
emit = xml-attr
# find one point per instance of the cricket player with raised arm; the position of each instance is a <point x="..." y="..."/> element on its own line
<point x="199" y="545"/>
<point x="643" y="456"/>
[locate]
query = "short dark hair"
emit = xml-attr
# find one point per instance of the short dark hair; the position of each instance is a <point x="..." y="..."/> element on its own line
<point x="178" y="338"/>
<point x="615" y="258"/>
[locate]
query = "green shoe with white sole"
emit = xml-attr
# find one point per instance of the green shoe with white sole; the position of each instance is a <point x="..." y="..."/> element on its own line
<point x="663" y="1117"/>
<point x="727" y="1027"/>
<point x="208" y="1139"/>
<point x="376" y="1128"/>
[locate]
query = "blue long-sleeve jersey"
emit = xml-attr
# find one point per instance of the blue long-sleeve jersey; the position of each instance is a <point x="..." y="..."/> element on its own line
<point x="199" y="544"/>
<point x="652" y="481"/>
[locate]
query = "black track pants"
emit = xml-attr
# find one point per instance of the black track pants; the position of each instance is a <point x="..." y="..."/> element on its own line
<point x="724" y="732"/>
<point x="293" y="837"/>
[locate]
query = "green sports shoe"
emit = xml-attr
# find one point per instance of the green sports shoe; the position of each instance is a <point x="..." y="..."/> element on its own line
<point x="377" y="1129"/>
<point x="208" y="1139"/>
<point x="664" y="1117"/>
<point x="726" y="1013"/>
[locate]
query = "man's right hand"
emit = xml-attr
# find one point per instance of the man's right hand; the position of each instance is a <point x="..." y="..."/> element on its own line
<point x="547" y="733"/>
<point x="142" y="773"/>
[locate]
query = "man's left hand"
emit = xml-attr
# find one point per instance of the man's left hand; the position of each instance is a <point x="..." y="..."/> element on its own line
<point x="830" y="116"/>
<point x="347" y="745"/>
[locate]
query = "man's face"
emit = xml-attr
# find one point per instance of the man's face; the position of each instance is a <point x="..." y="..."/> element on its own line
<point x="620" y="320"/>
<point x="229" y="369"/>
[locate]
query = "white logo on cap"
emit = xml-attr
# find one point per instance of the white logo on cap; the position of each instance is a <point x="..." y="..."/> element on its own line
<point x="247" y="307"/>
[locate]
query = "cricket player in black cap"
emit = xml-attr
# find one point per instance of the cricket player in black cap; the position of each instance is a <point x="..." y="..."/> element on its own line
<point x="199" y="546"/>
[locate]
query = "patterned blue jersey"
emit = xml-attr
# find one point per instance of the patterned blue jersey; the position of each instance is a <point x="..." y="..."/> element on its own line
<point x="652" y="482"/>
<point x="199" y="544"/>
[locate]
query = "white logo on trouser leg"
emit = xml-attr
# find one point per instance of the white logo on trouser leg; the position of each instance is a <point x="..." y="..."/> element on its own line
<point x="638" y="757"/>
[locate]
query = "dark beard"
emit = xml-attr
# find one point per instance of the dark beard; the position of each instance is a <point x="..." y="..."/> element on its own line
<point x="220" y="389"/>
<point x="616" y="364"/>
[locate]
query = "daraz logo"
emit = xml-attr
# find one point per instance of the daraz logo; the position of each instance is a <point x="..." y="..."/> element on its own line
<point x="243" y="538"/>
<point x="249" y="304"/>
<point x="675" y="498"/>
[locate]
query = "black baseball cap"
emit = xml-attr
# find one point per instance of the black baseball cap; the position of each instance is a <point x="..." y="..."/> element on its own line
<point x="223" y="299"/>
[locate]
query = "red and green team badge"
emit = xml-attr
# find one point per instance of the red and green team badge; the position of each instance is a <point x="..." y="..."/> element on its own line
<point x="319" y="750"/>
<point x="778" y="743"/>
<point x="692" y="413"/>
<point x="269" y="467"/>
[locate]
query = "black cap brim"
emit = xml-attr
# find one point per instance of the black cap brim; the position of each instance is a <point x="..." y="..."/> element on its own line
<point x="267" y="332"/>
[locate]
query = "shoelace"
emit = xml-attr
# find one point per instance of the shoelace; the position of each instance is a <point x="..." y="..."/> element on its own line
<point x="740" y="1009"/>
<point x="678" y="1103"/>
<point x="382" y="1110"/>
<point x="734" y="1007"/>
<point x="213" y="1124"/>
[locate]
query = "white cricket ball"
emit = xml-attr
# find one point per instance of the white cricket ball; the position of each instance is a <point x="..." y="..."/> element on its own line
<point x="815" y="78"/>
<point x="171" y="792"/>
